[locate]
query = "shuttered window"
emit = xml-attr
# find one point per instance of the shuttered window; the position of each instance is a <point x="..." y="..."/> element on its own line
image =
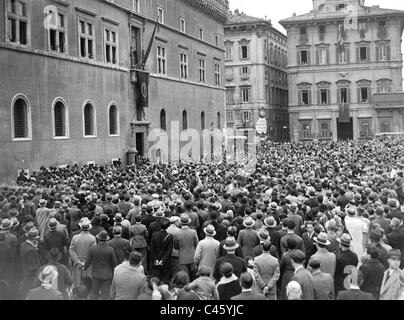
<point x="113" y="120"/>
<point x="202" y="120"/>
<point x="60" y="120"/>
<point x="20" y="119"/>
<point x="184" y="120"/>
<point x="88" y="120"/>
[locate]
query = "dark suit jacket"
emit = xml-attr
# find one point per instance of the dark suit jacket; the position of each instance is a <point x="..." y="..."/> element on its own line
<point x="305" y="279"/>
<point x="396" y="241"/>
<point x="249" y="295"/>
<point x="103" y="261"/>
<point x="119" y="245"/>
<point x="344" y="258"/>
<point x="309" y="244"/>
<point x="275" y="239"/>
<point x="354" y="294"/>
<point x="372" y="272"/>
<point x="161" y="247"/>
<point x="239" y="265"/>
<point x="30" y="260"/>
<point x="221" y="231"/>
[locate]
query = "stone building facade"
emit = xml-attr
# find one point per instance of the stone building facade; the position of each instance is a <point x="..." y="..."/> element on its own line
<point x="341" y="55"/>
<point x="256" y="79"/>
<point x="68" y="90"/>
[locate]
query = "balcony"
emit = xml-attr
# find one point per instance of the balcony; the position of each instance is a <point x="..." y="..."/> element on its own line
<point x="229" y="77"/>
<point x="390" y="100"/>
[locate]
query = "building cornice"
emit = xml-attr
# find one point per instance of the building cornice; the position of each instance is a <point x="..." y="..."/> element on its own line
<point x="215" y="9"/>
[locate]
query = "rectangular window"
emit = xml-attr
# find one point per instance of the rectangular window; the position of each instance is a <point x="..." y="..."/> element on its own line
<point x="364" y="94"/>
<point x="201" y="62"/>
<point x="87" y="39"/>
<point x="229" y="53"/>
<point x="161" y="60"/>
<point x="305" y="97"/>
<point x="217" y="74"/>
<point x="182" y="25"/>
<point x="322" y="56"/>
<point x="304" y="58"/>
<point x="324" y="96"/>
<point x="183" y="65"/>
<point x="325" y="131"/>
<point x="383" y="52"/>
<point x="17" y="22"/>
<point x="363" y="54"/>
<point x="201" y="33"/>
<point x="364" y="128"/>
<point x="229" y="96"/>
<point x="230" y="116"/>
<point x="303" y="34"/>
<point x="216" y="40"/>
<point x="305" y="132"/>
<point x="246" y="116"/>
<point x="136" y="6"/>
<point x="245" y="95"/>
<point x="344" y="95"/>
<point x="385" y="125"/>
<point x="160" y="12"/>
<point x="342" y="56"/>
<point x="244" y="52"/>
<point x="321" y="33"/>
<point x="111" y="46"/>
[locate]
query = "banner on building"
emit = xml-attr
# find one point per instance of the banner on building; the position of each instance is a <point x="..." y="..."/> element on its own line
<point x="344" y="113"/>
<point x="143" y="88"/>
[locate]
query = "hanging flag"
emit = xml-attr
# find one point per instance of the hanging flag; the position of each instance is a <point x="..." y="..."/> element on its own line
<point x="147" y="53"/>
<point x="340" y="37"/>
<point x="344" y="113"/>
<point x="143" y="88"/>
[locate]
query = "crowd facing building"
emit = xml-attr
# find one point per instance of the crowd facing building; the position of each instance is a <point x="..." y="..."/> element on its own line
<point x="345" y="71"/>
<point x="69" y="78"/>
<point x="255" y="75"/>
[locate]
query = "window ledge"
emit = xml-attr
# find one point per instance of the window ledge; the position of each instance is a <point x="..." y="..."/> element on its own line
<point x="89" y="137"/>
<point x="61" y="138"/>
<point x="21" y="139"/>
<point x="114" y="135"/>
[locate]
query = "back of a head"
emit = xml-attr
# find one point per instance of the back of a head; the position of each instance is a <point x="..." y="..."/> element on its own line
<point x="180" y="279"/>
<point x="315" y="263"/>
<point x="226" y="269"/>
<point x="231" y="231"/>
<point x="291" y="243"/>
<point x="372" y="250"/>
<point x="291" y="224"/>
<point x="135" y="258"/>
<point x="294" y="290"/>
<point x="266" y="246"/>
<point x="297" y="256"/>
<point x="246" y="280"/>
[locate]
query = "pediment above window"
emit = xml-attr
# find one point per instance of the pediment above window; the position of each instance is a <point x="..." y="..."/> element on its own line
<point x="304" y="85"/>
<point x="383" y="81"/>
<point x="228" y="43"/>
<point x="363" y="82"/>
<point x="323" y="84"/>
<point x="343" y="83"/>
<point x="244" y="42"/>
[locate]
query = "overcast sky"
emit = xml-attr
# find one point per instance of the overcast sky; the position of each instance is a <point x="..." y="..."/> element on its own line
<point x="277" y="10"/>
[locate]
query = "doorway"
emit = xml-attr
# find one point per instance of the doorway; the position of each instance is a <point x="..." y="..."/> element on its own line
<point x="345" y="130"/>
<point x="140" y="144"/>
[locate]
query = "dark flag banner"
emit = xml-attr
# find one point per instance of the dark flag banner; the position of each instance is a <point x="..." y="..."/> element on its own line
<point x="344" y="113"/>
<point x="143" y="88"/>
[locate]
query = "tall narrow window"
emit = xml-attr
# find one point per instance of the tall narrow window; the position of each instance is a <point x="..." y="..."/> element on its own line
<point x="163" y="121"/>
<point x="60" y="119"/>
<point x="201" y="33"/>
<point x="203" y="121"/>
<point x="183" y="65"/>
<point x="21" y="121"/>
<point x="161" y="60"/>
<point x="303" y="34"/>
<point x="89" y="120"/>
<point x="229" y="52"/>
<point x="136" y="6"/>
<point x="321" y="30"/>
<point x="229" y="96"/>
<point x="217" y="73"/>
<point x="113" y="120"/>
<point x="245" y="95"/>
<point x="244" y="52"/>
<point x="182" y="25"/>
<point x="111" y="46"/>
<point x="17" y="22"/>
<point x="184" y="120"/>
<point x="219" y="121"/>
<point x="160" y="12"/>
<point x="201" y="70"/>
<point x="87" y="39"/>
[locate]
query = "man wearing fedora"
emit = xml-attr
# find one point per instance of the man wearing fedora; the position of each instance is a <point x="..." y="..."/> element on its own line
<point x="264" y="236"/>
<point x="161" y="248"/>
<point x="119" y="244"/>
<point x="103" y="262"/>
<point x="390" y="288"/>
<point x="64" y="280"/>
<point x="56" y="239"/>
<point x="207" y="250"/>
<point x="79" y="249"/>
<point x="42" y="217"/>
<point x="270" y="225"/>
<point x="186" y="241"/>
<point x="248" y="238"/>
<point x="267" y="272"/>
<point x="326" y="258"/>
<point x="344" y="257"/>
<point x="371" y="272"/>
<point x="30" y="261"/>
<point x="292" y="215"/>
<point x="231" y="231"/>
<point x="239" y="264"/>
<point x="46" y="290"/>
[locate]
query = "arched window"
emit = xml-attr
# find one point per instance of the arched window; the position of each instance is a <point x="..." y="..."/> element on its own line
<point x="203" y="120"/>
<point x="89" y="120"/>
<point x="59" y="114"/>
<point x="184" y="120"/>
<point x="113" y="120"/>
<point x="218" y="121"/>
<point x="163" y="121"/>
<point x="21" y="119"/>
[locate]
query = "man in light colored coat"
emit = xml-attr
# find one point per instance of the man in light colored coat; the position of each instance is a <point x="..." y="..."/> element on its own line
<point x="327" y="259"/>
<point x="390" y="289"/>
<point x="42" y="217"/>
<point x="79" y="249"/>
<point x="207" y="250"/>
<point x="186" y="242"/>
<point x="248" y="238"/>
<point x="267" y="272"/>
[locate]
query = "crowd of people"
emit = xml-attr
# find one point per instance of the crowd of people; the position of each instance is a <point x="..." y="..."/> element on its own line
<point x="319" y="220"/>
